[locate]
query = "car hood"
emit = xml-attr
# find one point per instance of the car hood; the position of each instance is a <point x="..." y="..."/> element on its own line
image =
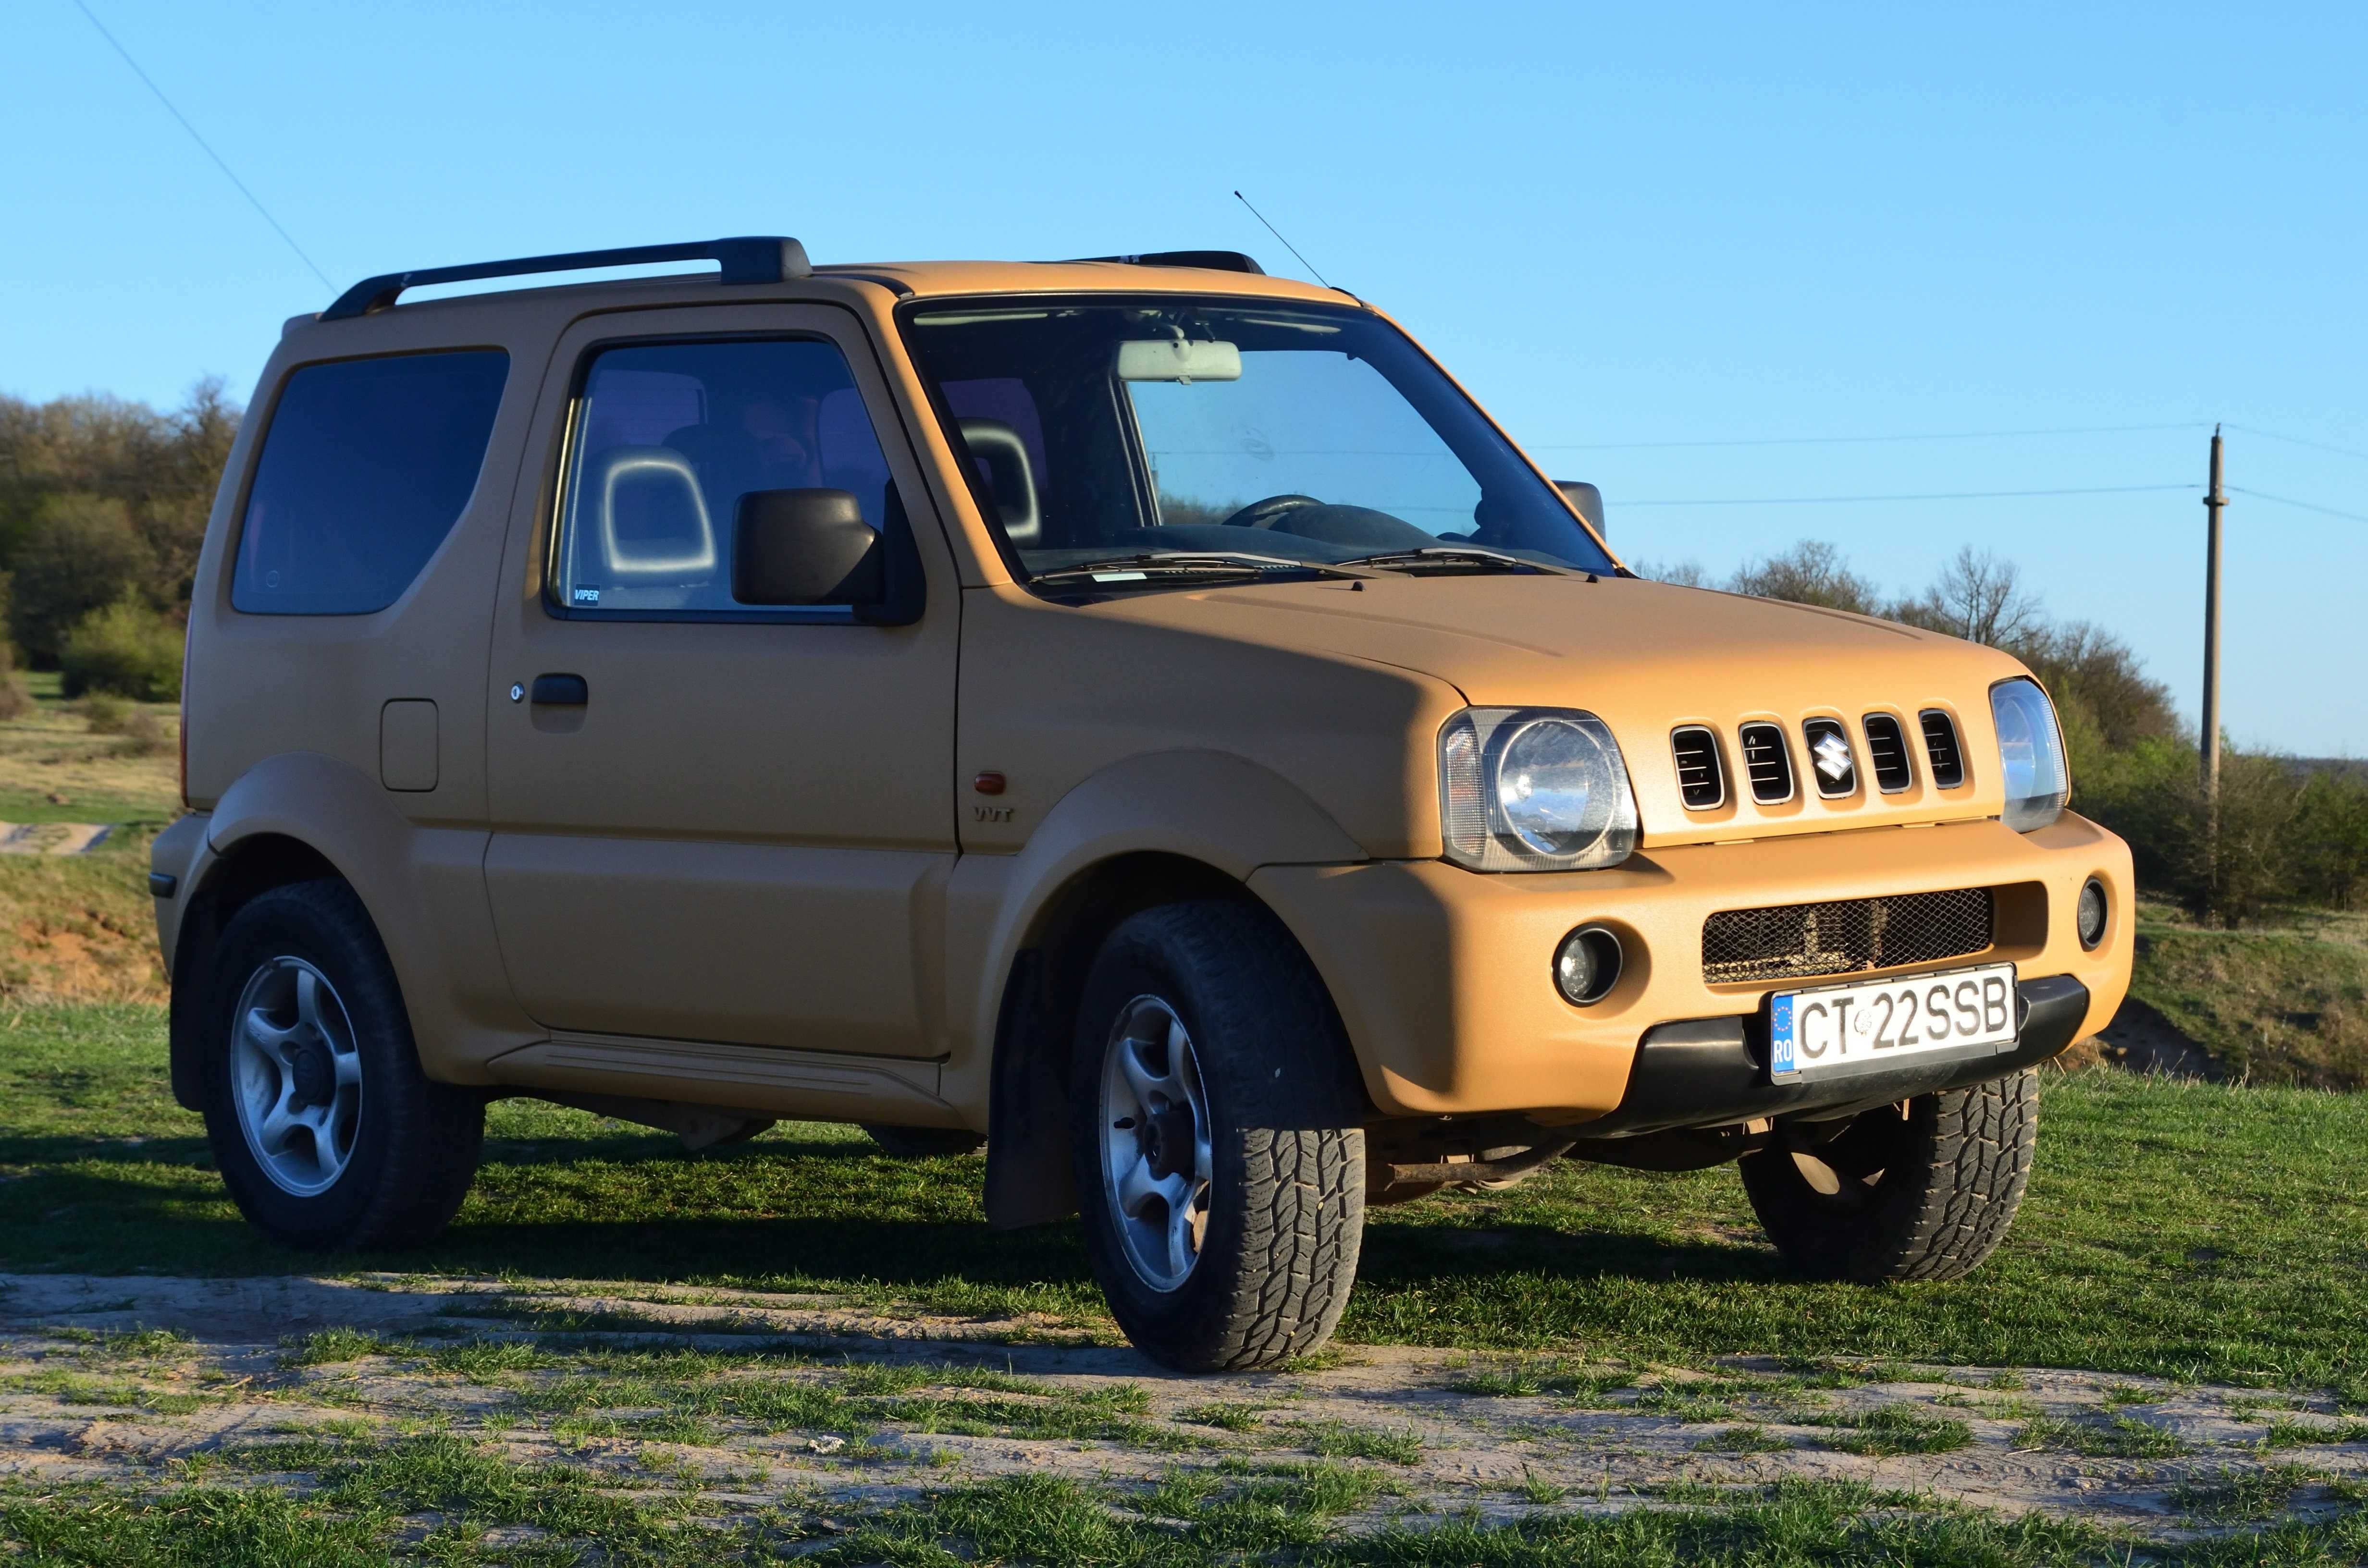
<point x="1648" y="658"/>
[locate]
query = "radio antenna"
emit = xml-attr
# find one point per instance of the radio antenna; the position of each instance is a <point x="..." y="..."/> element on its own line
<point x="1278" y="234"/>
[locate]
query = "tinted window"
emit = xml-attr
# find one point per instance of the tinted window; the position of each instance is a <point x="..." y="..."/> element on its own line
<point x="668" y="438"/>
<point x="367" y="466"/>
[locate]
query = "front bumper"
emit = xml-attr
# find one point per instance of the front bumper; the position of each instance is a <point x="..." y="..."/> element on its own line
<point x="1443" y="977"/>
<point x="1714" y="1072"/>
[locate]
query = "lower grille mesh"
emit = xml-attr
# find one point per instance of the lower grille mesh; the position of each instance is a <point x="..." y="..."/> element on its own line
<point x="1796" y="940"/>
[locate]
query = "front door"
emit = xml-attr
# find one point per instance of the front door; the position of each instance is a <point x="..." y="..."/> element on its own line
<point x="714" y="821"/>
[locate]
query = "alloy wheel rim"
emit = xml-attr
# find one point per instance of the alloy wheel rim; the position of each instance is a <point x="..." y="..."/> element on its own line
<point x="296" y="1076"/>
<point x="1156" y="1160"/>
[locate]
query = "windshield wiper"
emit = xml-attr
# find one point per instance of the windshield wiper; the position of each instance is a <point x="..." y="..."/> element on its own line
<point x="1458" y="555"/>
<point x="1226" y="563"/>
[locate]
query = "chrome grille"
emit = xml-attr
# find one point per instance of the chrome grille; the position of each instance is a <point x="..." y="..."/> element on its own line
<point x="1767" y="764"/>
<point x="1887" y="754"/>
<point x="1941" y="749"/>
<point x="1796" y="941"/>
<point x="1702" y="783"/>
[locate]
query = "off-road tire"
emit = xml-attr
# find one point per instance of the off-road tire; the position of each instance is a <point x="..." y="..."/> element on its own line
<point x="1286" y="1212"/>
<point x="1953" y="1169"/>
<point x="417" y="1141"/>
<point x="923" y="1142"/>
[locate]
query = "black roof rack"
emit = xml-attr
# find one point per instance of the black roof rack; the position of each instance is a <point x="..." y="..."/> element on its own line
<point x="773" y="258"/>
<point x="1215" y="261"/>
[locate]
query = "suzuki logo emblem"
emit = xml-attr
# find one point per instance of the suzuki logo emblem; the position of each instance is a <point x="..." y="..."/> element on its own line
<point x="1833" y="757"/>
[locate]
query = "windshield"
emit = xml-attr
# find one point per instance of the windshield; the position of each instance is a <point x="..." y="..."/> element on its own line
<point x="1101" y="431"/>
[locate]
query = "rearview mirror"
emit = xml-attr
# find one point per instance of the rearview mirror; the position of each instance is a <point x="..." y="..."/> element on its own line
<point x="1178" y="359"/>
<point x="803" y="547"/>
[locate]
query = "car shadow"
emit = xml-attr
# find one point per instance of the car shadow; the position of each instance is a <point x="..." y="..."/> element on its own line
<point x="791" y="1212"/>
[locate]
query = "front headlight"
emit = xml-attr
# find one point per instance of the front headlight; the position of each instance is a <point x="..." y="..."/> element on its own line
<point x="2030" y="755"/>
<point x="1534" y="790"/>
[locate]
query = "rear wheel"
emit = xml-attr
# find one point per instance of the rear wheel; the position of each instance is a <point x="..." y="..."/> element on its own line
<point x="1921" y="1190"/>
<point x="1219" y="1153"/>
<point x="325" y="1131"/>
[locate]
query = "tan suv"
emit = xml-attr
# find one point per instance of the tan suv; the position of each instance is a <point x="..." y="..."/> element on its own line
<point x="1138" y="712"/>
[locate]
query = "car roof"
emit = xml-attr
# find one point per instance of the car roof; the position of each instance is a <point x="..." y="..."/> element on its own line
<point x="903" y="280"/>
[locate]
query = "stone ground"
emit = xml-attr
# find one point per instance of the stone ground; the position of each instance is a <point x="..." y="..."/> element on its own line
<point x="261" y="1360"/>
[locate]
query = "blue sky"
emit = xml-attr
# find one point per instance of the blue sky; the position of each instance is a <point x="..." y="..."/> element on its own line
<point x="1623" y="229"/>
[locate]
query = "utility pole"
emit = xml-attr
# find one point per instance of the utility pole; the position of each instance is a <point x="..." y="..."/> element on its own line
<point x="2213" y="500"/>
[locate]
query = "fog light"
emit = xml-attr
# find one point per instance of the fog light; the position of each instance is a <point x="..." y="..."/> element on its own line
<point x="2088" y="919"/>
<point x="1587" y="965"/>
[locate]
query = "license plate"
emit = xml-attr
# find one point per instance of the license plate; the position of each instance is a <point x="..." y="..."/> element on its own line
<point x="1839" y="1029"/>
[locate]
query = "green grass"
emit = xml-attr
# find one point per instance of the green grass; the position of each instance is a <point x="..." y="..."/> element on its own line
<point x="2282" y="1005"/>
<point x="1526" y="1376"/>
<point x="2259" y="1494"/>
<point x="1226" y="1416"/>
<point x="437" y="1499"/>
<point x="441" y="1499"/>
<point x="2179" y="1230"/>
<point x="1793" y="1525"/>
<point x="2117" y="1436"/>
<point x="1897" y="1430"/>
<point x="2290" y="1434"/>
<point x="1743" y="1441"/>
<point x="1341" y="1440"/>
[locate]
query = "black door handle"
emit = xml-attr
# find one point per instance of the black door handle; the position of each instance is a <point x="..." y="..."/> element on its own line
<point x="561" y="691"/>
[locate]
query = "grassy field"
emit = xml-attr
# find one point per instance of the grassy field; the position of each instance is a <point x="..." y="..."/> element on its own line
<point x="1290" y="1515"/>
<point x="2197" y="1231"/>
<point x="2188" y="1229"/>
<point x="81" y="928"/>
<point x="2286" y="1003"/>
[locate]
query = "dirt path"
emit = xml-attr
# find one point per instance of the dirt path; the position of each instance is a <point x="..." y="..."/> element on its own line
<point x="805" y="1397"/>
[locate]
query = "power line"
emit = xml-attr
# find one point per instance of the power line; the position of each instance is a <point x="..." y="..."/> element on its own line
<point x="2288" y="501"/>
<point x="1846" y="440"/>
<point x="202" y="143"/>
<point x="1945" y="495"/>
<point x="2297" y="440"/>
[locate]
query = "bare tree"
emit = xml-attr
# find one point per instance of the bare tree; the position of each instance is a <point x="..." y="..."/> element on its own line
<point x="1980" y="597"/>
<point x="1811" y="572"/>
<point x="1685" y="574"/>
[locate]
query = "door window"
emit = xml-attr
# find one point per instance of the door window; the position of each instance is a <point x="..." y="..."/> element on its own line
<point x="668" y="437"/>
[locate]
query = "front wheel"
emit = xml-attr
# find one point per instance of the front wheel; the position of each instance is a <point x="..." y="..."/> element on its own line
<point x="324" y="1129"/>
<point x="1924" y="1190"/>
<point x="1219" y="1153"/>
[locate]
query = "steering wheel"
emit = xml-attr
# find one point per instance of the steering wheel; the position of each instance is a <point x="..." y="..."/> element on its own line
<point x="1270" y="512"/>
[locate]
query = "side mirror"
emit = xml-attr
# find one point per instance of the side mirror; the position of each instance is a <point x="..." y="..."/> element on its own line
<point x="803" y="547"/>
<point x="1586" y="500"/>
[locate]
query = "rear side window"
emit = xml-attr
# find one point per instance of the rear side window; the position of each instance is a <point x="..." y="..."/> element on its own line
<point x="367" y="466"/>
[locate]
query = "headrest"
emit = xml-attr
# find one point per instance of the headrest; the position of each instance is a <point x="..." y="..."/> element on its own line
<point x="682" y="553"/>
<point x="996" y="446"/>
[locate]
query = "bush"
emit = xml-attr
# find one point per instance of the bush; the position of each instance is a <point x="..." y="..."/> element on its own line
<point x="127" y="649"/>
<point x="2332" y="836"/>
<point x="82" y="555"/>
<point x="144" y="735"/>
<point x="2152" y="794"/>
<point x="16" y="697"/>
